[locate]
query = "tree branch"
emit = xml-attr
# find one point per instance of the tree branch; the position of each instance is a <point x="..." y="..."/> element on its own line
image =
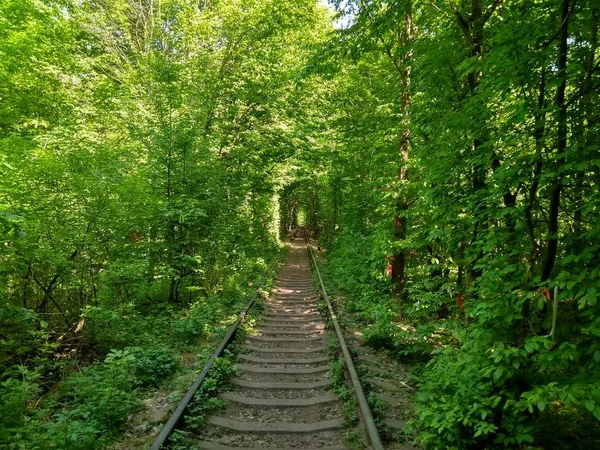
<point x="488" y="13"/>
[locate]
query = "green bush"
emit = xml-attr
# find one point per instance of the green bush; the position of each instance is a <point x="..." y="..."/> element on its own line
<point x="19" y="388"/>
<point x="23" y="337"/>
<point x="101" y="396"/>
<point x="196" y="322"/>
<point x="488" y="393"/>
<point x="152" y="365"/>
<point x="88" y="409"/>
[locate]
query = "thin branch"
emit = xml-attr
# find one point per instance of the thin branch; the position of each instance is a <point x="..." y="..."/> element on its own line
<point x="486" y="15"/>
<point x="386" y="48"/>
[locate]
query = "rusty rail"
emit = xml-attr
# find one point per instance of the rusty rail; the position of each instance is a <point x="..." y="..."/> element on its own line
<point x="177" y="415"/>
<point x="363" y="404"/>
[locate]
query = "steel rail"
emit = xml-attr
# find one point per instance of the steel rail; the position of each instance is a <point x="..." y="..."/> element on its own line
<point x="365" y="410"/>
<point x="177" y="415"/>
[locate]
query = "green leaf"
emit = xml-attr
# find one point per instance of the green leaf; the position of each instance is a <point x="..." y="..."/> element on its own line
<point x="540" y="302"/>
<point x="541" y="405"/>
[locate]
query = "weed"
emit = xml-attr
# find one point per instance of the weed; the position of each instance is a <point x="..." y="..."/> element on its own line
<point x="206" y="400"/>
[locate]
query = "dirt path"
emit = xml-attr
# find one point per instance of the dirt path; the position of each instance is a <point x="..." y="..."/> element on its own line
<point x="282" y="398"/>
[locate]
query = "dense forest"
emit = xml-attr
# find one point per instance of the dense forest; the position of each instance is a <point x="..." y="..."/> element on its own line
<point x="444" y="153"/>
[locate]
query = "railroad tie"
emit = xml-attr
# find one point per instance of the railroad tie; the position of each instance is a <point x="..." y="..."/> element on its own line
<point x="282" y="396"/>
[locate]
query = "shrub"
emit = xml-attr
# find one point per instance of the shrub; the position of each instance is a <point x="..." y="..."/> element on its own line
<point x="18" y="388"/>
<point x="152" y="365"/>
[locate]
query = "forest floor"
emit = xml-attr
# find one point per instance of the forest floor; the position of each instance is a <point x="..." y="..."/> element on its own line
<point x="390" y="387"/>
<point x="143" y="427"/>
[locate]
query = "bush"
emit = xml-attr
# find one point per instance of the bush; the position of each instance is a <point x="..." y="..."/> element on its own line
<point x="489" y="394"/>
<point x="152" y="365"/>
<point x="18" y="389"/>
<point x="101" y="396"/>
<point x="196" y="322"/>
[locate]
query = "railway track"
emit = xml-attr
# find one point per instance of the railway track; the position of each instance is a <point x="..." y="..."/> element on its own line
<point x="282" y="397"/>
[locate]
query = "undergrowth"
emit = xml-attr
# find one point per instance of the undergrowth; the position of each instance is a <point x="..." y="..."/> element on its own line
<point x="206" y="398"/>
<point x="353" y="436"/>
<point x="53" y="400"/>
<point x="487" y="378"/>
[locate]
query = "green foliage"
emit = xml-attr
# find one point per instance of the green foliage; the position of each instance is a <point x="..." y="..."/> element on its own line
<point x="18" y="389"/>
<point x="24" y="337"/>
<point x="461" y="133"/>
<point x="150" y="156"/>
<point x="139" y="160"/>
<point x="96" y="403"/>
<point x="87" y="410"/>
<point x="150" y="366"/>
<point x="490" y="400"/>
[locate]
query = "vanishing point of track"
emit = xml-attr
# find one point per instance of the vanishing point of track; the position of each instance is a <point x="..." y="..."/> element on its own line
<point x="282" y="397"/>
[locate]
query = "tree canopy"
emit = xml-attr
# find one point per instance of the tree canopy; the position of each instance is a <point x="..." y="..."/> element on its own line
<point x="445" y="153"/>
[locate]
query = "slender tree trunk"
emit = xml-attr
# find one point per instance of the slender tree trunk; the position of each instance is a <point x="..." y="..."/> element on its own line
<point x="583" y="132"/>
<point x="539" y="132"/>
<point x="405" y="39"/>
<point x="472" y="27"/>
<point x="336" y="202"/>
<point x="26" y="282"/>
<point x="173" y="288"/>
<point x="561" y="142"/>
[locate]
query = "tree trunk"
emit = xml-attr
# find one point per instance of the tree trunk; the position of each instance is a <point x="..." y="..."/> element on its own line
<point x="561" y="142"/>
<point x="472" y="27"/>
<point x="539" y="132"/>
<point x="405" y="39"/>
<point x="584" y="133"/>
